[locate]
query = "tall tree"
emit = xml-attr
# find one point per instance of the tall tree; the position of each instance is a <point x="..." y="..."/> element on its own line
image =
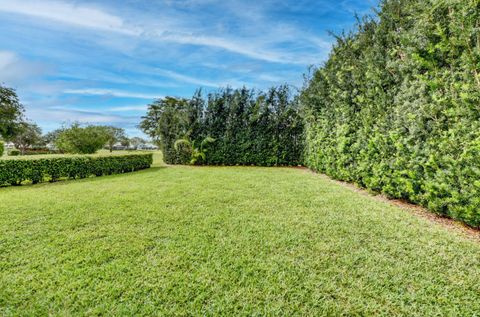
<point x="167" y="121"/>
<point x="11" y="112"/>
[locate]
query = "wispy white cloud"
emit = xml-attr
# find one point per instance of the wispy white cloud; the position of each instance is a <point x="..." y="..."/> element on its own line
<point x="110" y="93"/>
<point x="14" y="70"/>
<point x="68" y="114"/>
<point x="6" y="59"/>
<point x="69" y="13"/>
<point x="171" y="30"/>
<point x="97" y="54"/>
<point x="235" y="46"/>
<point x="186" y="79"/>
<point x="142" y="108"/>
<point x="107" y="110"/>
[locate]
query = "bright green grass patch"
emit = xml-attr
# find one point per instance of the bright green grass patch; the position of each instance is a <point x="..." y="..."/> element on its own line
<point x="226" y="241"/>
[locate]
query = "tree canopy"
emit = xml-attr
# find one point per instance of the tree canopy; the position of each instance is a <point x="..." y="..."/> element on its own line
<point x="82" y="140"/>
<point x="11" y="112"/>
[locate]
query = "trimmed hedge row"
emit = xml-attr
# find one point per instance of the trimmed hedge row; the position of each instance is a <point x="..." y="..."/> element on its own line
<point x="14" y="172"/>
<point x="396" y="108"/>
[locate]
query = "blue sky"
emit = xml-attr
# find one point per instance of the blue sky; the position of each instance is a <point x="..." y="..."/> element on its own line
<point x="103" y="61"/>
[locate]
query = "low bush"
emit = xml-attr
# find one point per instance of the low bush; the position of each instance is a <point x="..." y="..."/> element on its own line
<point x="2" y="148"/>
<point x="14" y="153"/>
<point x="15" y="172"/>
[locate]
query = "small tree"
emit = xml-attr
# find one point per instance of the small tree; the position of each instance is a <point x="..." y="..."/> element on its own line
<point x="28" y="134"/>
<point x="82" y="140"/>
<point x="136" y="141"/>
<point x="52" y="136"/>
<point x="197" y="153"/>
<point x="125" y="141"/>
<point x="114" y="135"/>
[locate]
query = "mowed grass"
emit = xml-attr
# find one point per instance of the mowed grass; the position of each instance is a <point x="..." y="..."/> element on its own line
<point x="226" y="241"/>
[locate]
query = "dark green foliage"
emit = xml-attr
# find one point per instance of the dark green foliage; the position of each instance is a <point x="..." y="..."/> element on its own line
<point x="2" y="148"/>
<point x="249" y="128"/>
<point x="14" y="172"/>
<point x="14" y="152"/>
<point x="11" y="112"/>
<point x="396" y="108"/>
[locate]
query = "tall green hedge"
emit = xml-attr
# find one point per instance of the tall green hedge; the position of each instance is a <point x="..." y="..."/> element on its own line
<point x="249" y="127"/>
<point x="396" y="108"/>
<point x="17" y="171"/>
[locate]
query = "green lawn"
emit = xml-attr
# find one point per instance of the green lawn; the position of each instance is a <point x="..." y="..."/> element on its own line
<point x="226" y="241"/>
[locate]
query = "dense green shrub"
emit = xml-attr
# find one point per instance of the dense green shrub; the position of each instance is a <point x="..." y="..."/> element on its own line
<point x="396" y="108"/>
<point x="249" y="127"/>
<point x="2" y="148"/>
<point x="83" y="140"/>
<point x="14" y="152"/>
<point x="16" y="171"/>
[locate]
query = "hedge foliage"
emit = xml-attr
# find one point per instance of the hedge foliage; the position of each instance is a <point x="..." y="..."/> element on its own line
<point x="16" y="171"/>
<point x="249" y="127"/>
<point x="396" y="108"/>
<point x="14" y="152"/>
<point x="39" y="151"/>
<point x="2" y="148"/>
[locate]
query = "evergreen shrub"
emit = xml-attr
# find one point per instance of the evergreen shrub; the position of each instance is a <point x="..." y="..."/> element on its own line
<point x="396" y="108"/>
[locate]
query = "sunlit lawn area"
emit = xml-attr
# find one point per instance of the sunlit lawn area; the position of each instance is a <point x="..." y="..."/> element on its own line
<point x="226" y="241"/>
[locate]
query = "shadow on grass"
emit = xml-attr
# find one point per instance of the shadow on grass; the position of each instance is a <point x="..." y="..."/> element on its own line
<point x="67" y="181"/>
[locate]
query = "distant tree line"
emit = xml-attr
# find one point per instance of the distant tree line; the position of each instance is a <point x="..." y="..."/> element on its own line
<point x="396" y="108"/>
<point x="75" y="138"/>
<point x="228" y="127"/>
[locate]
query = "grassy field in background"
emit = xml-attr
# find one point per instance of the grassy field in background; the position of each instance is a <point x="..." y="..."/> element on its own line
<point x="226" y="241"/>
